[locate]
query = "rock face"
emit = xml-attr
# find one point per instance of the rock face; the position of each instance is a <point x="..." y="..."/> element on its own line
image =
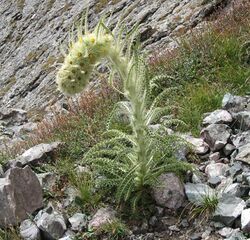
<point x="31" y="33"/>
<point x="20" y="195"/>
<point x="169" y="191"/>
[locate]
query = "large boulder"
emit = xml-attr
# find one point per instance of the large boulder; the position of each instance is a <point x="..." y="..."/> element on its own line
<point x="20" y="195"/>
<point x="216" y="136"/>
<point x="169" y="191"/>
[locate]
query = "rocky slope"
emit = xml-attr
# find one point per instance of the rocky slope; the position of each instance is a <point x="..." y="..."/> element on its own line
<point x="31" y="33"/>
<point x="222" y="175"/>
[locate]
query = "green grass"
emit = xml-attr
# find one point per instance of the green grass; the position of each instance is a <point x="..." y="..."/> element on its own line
<point x="205" y="67"/>
<point x="206" y="208"/>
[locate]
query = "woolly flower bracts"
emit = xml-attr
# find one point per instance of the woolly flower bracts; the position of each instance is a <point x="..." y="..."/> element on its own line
<point x="83" y="55"/>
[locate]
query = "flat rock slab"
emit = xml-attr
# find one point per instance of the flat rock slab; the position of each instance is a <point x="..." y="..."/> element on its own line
<point x="20" y="195"/>
<point x="35" y="155"/>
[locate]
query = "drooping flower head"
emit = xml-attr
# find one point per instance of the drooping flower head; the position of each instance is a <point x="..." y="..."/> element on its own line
<point x="83" y="54"/>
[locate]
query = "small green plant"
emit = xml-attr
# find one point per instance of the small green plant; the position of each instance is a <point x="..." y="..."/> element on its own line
<point x="114" y="230"/>
<point x="88" y="198"/>
<point x="207" y="206"/>
<point x="129" y="163"/>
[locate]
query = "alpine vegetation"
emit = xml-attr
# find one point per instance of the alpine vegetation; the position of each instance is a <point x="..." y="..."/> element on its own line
<point x="128" y="163"/>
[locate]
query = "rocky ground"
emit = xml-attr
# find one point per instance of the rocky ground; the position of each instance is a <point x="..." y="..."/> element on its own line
<point x="182" y="211"/>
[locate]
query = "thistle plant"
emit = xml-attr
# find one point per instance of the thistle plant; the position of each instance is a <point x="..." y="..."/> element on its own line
<point x="130" y="163"/>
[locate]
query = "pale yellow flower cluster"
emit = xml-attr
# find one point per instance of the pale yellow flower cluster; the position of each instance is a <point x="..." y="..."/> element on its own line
<point x="83" y="55"/>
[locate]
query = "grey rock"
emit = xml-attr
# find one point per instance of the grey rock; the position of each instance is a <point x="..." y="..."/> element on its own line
<point x="233" y="189"/>
<point x="199" y="145"/>
<point x="228" y="209"/>
<point x="102" y="216"/>
<point x="29" y="230"/>
<point x="169" y="191"/>
<point x="214" y="181"/>
<point x="216" y="170"/>
<point x="234" y="103"/>
<point x="196" y="236"/>
<point x="35" y="155"/>
<point x="241" y="139"/>
<point x="235" y="169"/>
<point x="245" y="220"/>
<point x="47" y="180"/>
<point x="51" y="223"/>
<point x="228" y="149"/>
<point x="226" y="232"/>
<point x="197" y="192"/>
<point x="242" y="120"/>
<point x="236" y="235"/>
<point x="174" y="228"/>
<point x="244" y="153"/>
<point x="216" y="136"/>
<point x="78" y="222"/>
<point x="214" y="157"/>
<point x="20" y="195"/>
<point x="218" y="116"/>
<point x="12" y="116"/>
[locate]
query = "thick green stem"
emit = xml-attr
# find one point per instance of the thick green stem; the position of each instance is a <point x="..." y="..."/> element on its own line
<point x="138" y="112"/>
